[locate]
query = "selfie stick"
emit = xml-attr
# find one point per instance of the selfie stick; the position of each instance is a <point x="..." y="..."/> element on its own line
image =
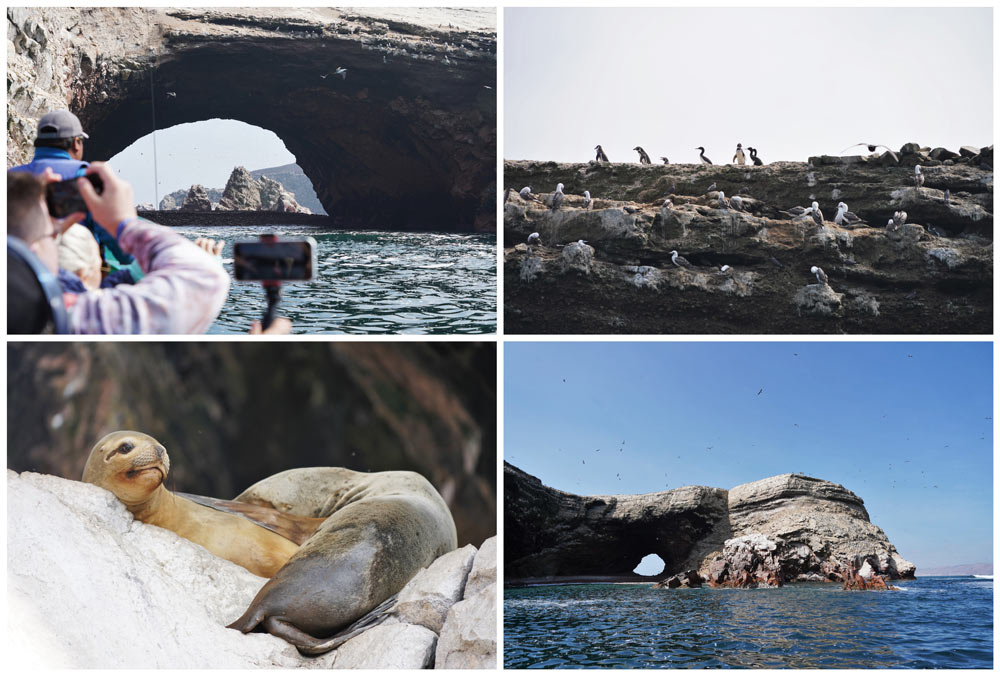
<point x="272" y="287"/>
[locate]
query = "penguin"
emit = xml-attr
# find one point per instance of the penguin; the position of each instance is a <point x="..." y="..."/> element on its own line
<point x="753" y="156"/>
<point x="820" y="275"/>
<point x="665" y="160"/>
<point x="558" y="197"/>
<point x="601" y="157"/>
<point x="739" y="157"/>
<point x="643" y="157"/>
<point x="702" y="155"/>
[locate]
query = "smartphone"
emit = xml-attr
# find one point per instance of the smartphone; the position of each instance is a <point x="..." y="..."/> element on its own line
<point x="63" y="198"/>
<point x="292" y="260"/>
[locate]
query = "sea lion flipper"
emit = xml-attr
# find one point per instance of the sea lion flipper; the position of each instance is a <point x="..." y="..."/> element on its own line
<point x="298" y="529"/>
<point x="309" y="645"/>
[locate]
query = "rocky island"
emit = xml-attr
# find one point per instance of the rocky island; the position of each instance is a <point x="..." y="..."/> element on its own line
<point x="607" y="266"/>
<point x="786" y="528"/>
<point x="404" y="138"/>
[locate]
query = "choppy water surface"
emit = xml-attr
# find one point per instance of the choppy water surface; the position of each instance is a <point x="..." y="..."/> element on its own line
<point x="372" y="282"/>
<point x="936" y="622"/>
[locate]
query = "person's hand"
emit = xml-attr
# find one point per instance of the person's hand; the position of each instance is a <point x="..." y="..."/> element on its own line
<point x="112" y="206"/>
<point x="61" y="225"/>
<point x="279" y="327"/>
<point x="212" y="246"/>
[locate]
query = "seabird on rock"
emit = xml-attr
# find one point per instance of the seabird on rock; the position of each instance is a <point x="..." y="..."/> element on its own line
<point x="797" y="212"/>
<point x="587" y="202"/>
<point x="667" y="203"/>
<point x="753" y="156"/>
<point x="601" y="157"/>
<point x="899" y="217"/>
<point x="710" y="188"/>
<point x="871" y="149"/>
<point x="342" y="72"/>
<point x="817" y="213"/>
<point x="918" y="178"/>
<point x="844" y="216"/>
<point x="679" y="260"/>
<point x="534" y="238"/>
<point x="820" y="275"/>
<point x="665" y="160"/>
<point x="725" y="268"/>
<point x="558" y="197"/>
<point x="643" y="157"/>
<point x="739" y="157"/>
<point x="938" y="232"/>
<point x="702" y="155"/>
<point x="891" y="226"/>
<point x="736" y="202"/>
<point x="723" y="202"/>
<point x="947" y="194"/>
<point x="629" y="210"/>
<point x="525" y="193"/>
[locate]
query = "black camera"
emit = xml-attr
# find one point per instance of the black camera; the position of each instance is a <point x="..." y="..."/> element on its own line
<point x="63" y="198"/>
<point x="273" y="259"/>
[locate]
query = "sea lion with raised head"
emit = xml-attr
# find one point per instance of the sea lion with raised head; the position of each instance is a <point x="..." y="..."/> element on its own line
<point x="364" y="536"/>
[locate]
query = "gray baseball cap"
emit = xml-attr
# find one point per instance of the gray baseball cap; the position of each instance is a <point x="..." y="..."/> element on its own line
<point x="60" y="124"/>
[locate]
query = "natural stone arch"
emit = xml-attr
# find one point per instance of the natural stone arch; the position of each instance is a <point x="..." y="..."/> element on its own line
<point x="407" y="140"/>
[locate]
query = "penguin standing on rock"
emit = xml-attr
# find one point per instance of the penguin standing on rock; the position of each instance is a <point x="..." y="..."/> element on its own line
<point x="643" y="157"/>
<point x="704" y="159"/>
<point x="739" y="157"/>
<point x="601" y="157"/>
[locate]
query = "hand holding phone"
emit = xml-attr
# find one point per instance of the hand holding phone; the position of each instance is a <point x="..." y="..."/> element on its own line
<point x="63" y="197"/>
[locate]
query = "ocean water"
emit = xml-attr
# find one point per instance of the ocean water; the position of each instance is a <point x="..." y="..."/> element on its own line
<point x="934" y="622"/>
<point x="372" y="282"/>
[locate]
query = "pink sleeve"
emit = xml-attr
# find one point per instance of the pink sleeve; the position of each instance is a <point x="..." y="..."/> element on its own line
<point x="182" y="292"/>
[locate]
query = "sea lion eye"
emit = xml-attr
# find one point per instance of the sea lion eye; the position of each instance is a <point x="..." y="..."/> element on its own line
<point x="125" y="447"/>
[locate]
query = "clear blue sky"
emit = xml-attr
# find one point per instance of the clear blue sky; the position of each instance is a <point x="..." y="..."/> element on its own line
<point x="852" y="413"/>
<point x="203" y="152"/>
<point x="791" y="82"/>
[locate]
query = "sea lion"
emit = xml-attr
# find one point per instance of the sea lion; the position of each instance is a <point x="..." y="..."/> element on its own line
<point x="363" y="535"/>
<point x="133" y="466"/>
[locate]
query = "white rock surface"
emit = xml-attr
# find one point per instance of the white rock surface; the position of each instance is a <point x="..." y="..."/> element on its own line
<point x="425" y="600"/>
<point x="484" y="568"/>
<point x="469" y="637"/>
<point x="89" y="587"/>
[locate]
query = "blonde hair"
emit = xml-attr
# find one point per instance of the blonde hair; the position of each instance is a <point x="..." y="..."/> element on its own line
<point x="78" y="250"/>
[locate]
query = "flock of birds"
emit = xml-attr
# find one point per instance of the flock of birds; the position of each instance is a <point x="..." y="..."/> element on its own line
<point x="739" y="157"/>
<point x="843" y="217"/>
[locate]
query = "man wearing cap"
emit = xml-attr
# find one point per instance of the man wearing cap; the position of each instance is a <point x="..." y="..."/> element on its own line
<point x="59" y="146"/>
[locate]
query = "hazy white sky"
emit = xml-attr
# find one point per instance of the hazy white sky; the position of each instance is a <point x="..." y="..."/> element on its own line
<point x="202" y="152"/>
<point x="791" y="82"/>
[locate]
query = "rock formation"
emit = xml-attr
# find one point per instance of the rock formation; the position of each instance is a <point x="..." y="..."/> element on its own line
<point x="175" y="200"/>
<point x="781" y="529"/>
<point x="293" y="179"/>
<point x="197" y="200"/>
<point x="932" y="275"/>
<point x="79" y="568"/>
<point x="274" y="197"/>
<point x="409" y="137"/>
<point x="242" y="193"/>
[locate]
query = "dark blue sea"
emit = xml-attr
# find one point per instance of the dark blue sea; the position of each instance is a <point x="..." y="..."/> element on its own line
<point x="373" y="282"/>
<point x="934" y="622"/>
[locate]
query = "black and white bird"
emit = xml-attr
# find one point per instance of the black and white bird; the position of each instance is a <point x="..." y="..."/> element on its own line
<point x="892" y="226"/>
<point x="342" y="72"/>
<point x="558" y="197"/>
<point x="534" y="239"/>
<point x="679" y="260"/>
<point x="899" y="218"/>
<point x="643" y="157"/>
<point x="665" y="160"/>
<point x="736" y="202"/>
<point x="797" y="212"/>
<point x="753" y="156"/>
<point x="667" y="204"/>
<point x="723" y="202"/>
<point x="845" y="217"/>
<point x="871" y="149"/>
<point x="725" y="268"/>
<point x="817" y="213"/>
<point x="739" y="157"/>
<point x="820" y="275"/>
<point x="918" y="178"/>
<point x="587" y="202"/>
<point x="704" y="159"/>
<point x="601" y="157"/>
<point x="525" y="193"/>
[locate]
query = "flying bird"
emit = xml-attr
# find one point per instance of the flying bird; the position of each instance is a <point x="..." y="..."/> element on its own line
<point x="759" y="391"/>
<point x="342" y="72"/>
<point x="172" y="95"/>
<point x="820" y="275"/>
<point x="871" y="149"/>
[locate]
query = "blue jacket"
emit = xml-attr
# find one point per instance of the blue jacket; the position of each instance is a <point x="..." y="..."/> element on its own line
<point x="61" y="163"/>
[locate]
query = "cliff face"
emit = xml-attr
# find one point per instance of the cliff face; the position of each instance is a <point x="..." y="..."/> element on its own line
<point x="811" y="529"/>
<point x="408" y="137"/>
<point x="932" y="275"/>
